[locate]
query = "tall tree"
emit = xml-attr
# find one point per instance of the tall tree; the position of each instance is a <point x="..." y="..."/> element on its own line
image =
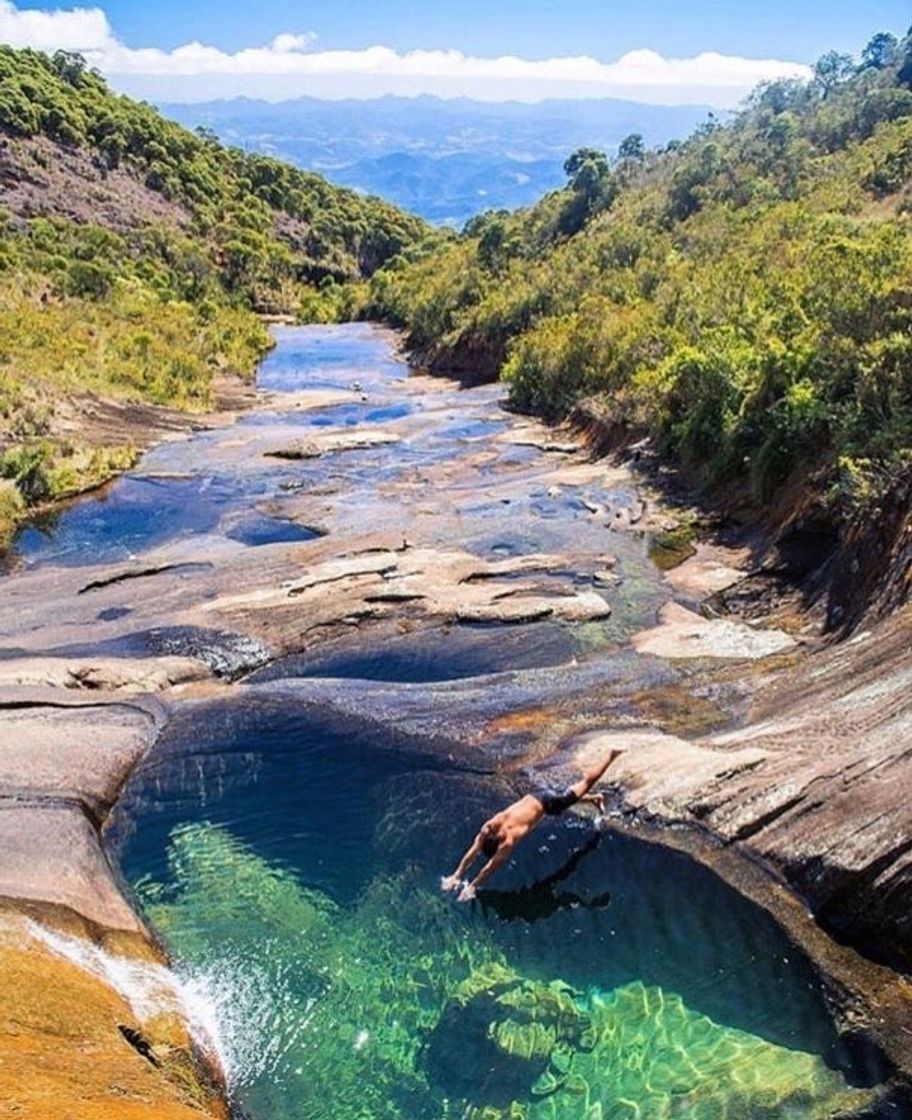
<point x="880" y="52"/>
<point x="632" y="148"/>
<point x="831" y="70"/>
<point x="904" y="77"/>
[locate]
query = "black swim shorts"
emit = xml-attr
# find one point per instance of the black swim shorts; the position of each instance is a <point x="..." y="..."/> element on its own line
<point x="555" y="802"/>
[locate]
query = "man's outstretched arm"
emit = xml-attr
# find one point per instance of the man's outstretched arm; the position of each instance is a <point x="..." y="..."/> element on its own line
<point x="499" y="858"/>
<point x="451" y="882"/>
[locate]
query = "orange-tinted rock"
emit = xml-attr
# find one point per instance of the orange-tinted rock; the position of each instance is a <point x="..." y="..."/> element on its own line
<point x="66" y="1058"/>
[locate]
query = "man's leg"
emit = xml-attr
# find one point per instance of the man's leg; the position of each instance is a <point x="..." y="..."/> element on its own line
<point x="592" y="775"/>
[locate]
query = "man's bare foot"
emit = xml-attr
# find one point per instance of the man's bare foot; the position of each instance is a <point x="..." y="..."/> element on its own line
<point x="598" y="800"/>
<point x="450" y="882"/>
<point x="466" y="894"/>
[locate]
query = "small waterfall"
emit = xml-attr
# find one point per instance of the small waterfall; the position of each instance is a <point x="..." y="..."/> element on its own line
<point x="150" y="989"/>
<point x="249" y="1010"/>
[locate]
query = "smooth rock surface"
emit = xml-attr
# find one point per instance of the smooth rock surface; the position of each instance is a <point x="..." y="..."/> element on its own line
<point x="51" y="853"/>
<point x="711" y="569"/>
<point x="329" y="442"/>
<point x="451" y="585"/>
<point x="682" y="633"/>
<point x="818" y="783"/>
<point x="79" y="754"/>
<point x="116" y="674"/>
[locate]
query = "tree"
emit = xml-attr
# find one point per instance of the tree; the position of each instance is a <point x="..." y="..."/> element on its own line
<point x="592" y="186"/>
<point x="778" y="96"/>
<point x="587" y="168"/>
<point x="632" y="148"/>
<point x="709" y="127"/>
<point x="207" y="135"/>
<point x="70" y="65"/>
<point x="831" y="70"/>
<point x="880" y="51"/>
<point x="781" y="131"/>
<point x="492" y="244"/>
<point x="904" y="77"/>
<point x="574" y="162"/>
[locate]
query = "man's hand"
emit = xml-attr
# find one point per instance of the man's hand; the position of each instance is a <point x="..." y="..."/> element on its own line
<point x="450" y="882"/>
<point x="466" y="894"/>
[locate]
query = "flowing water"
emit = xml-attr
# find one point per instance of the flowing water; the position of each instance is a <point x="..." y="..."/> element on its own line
<point x="287" y="844"/>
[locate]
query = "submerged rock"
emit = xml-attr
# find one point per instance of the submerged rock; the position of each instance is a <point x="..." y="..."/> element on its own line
<point x="394" y="1008"/>
<point x="328" y="442"/>
<point x="521" y="1033"/>
<point x="646" y="1054"/>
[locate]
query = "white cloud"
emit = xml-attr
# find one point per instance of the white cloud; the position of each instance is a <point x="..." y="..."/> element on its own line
<point x="287" y="42"/>
<point x="76" y="29"/>
<point x="290" y="67"/>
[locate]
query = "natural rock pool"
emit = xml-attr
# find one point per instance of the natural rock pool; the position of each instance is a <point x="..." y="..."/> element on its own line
<point x="290" y="859"/>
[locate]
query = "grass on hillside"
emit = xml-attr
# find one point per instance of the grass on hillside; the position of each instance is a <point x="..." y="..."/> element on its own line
<point x="743" y="297"/>
<point x="149" y="294"/>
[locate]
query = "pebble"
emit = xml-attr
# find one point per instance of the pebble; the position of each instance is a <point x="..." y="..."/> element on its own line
<point x="605" y="578"/>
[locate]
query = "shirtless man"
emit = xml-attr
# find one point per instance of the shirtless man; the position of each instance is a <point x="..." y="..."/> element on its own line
<point x="499" y="836"/>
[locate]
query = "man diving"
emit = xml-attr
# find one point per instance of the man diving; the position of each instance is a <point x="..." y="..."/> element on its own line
<point x="498" y="836"/>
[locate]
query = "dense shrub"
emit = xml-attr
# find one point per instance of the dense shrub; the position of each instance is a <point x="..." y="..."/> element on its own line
<point x="744" y="296"/>
<point x="151" y="310"/>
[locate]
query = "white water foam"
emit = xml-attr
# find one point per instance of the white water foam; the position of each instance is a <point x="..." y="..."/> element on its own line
<point x="239" y="1015"/>
<point x="149" y="988"/>
<point x="250" y="1011"/>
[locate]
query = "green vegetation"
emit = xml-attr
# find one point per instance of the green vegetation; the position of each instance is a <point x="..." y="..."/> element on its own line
<point x="134" y="256"/>
<point x="743" y="297"/>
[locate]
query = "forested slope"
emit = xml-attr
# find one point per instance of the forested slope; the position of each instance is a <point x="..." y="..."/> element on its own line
<point x="133" y="257"/>
<point x="744" y="298"/>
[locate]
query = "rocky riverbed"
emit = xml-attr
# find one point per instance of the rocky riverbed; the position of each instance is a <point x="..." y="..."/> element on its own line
<point x="397" y="550"/>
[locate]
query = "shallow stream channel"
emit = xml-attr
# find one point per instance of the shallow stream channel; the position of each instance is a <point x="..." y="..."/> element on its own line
<point x="286" y="835"/>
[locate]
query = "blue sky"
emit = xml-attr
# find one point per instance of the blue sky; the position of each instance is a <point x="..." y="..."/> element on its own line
<point x="658" y="50"/>
<point x="799" y="30"/>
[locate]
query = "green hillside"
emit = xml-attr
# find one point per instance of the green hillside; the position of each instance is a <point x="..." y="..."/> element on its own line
<point x="134" y="255"/>
<point x="744" y="297"/>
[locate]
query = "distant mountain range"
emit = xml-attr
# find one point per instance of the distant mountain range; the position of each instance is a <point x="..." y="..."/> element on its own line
<point x="445" y="159"/>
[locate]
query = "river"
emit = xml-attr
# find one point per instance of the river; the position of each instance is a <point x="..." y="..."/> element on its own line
<point x="406" y="600"/>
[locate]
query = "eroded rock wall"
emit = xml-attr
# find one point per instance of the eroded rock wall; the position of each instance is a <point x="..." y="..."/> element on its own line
<point x="74" y="1039"/>
<point x="817" y="783"/>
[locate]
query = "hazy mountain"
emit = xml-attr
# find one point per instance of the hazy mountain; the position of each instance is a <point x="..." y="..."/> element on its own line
<point x="443" y="159"/>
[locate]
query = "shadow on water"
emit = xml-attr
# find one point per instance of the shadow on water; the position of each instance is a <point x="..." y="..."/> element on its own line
<point x="290" y="858"/>
<point x="256" y="529"/>
<point x="442" y="654"/>
<point x="542" y="899"/>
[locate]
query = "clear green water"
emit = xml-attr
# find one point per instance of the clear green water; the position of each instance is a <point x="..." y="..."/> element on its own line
<point x="290" y="858"/>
